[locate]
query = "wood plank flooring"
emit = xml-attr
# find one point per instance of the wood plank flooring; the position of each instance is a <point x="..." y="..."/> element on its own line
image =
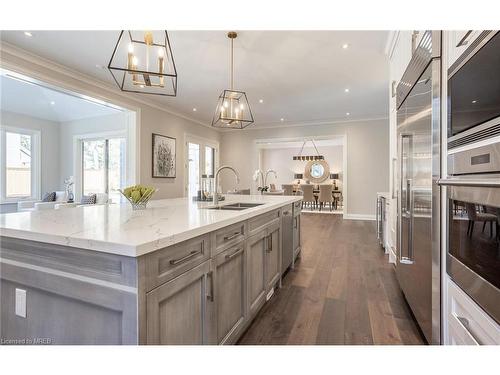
<point x="342" y="291"/>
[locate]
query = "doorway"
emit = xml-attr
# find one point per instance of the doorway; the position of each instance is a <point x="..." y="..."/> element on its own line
<point x="202" y="160"/>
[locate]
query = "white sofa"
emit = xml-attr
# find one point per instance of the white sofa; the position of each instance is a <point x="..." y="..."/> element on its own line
<point x="101" y="198"/>
<point x="61" y="197"/>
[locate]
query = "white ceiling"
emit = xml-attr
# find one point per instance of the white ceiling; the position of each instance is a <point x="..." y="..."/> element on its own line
<point x="336" y="141"/>
<point x="300" y="75"/>
<point x="41" y="102"/>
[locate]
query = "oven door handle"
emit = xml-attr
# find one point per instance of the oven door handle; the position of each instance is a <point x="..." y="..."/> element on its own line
<point x="469" y="183"/>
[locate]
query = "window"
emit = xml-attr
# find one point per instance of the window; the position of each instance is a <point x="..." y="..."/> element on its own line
<point x="20" y="158"/>
<point x="103" y="166"/>
<point x="201" y="156"/>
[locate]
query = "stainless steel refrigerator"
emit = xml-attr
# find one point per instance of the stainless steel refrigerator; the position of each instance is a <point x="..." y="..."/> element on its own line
<point x="419" y="167"/>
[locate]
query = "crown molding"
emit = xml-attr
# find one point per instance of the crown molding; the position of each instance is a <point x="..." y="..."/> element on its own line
<point x="10" y="49"/>
<point x="277" y="125"/>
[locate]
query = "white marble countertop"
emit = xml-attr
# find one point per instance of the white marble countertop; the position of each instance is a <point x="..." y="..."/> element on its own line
<point x="117" y="229"/>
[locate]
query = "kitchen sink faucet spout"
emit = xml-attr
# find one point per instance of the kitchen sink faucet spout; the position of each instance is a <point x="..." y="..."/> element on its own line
<point x="216" y="182"/>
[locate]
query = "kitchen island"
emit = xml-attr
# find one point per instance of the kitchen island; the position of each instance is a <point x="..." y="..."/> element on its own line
<point x="179" y="272"/>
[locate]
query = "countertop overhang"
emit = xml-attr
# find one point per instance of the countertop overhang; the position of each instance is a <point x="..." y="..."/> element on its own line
<point x="117" y="229"/>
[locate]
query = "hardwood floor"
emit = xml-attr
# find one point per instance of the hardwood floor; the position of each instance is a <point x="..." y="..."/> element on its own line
<point x="342" y="291"/>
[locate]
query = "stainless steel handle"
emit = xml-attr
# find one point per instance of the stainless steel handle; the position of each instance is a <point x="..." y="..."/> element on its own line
<point x="378" y="218"/>
<point x="234" y="235"/>
<point x="269" y="243"/>
<point x="296" y="223"/>
<point x="237" y="252"/>
<point x="464" y="41"/>
<point x="192" y="254"/>
<point x="469" y="183"/>
<point x="465" y="323"/>
<point x="210" y="296"/>
<point x="408" y="196"/>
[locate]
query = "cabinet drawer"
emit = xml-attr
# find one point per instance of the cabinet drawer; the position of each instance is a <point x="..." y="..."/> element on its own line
<point x="467" y="323"/>
<point x="165" y="264"/>
<point x="262" y="221"/>
<point x="229" y="236"/>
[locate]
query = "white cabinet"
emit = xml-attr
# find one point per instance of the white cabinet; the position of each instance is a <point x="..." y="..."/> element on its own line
<point x="458" y="42"/>
<point x="400" y="57"/>
<point x="465" y="322"/>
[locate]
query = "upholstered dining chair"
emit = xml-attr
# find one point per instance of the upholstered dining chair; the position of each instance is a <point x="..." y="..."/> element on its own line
<point x="325" y="196"/>
<point x="308" y="194"/>
<point x="288" y="189"/>
<point x="473" y="215"/>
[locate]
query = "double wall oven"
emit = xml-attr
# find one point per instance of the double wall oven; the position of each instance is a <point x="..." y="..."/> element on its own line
<point x="473" y="181"/>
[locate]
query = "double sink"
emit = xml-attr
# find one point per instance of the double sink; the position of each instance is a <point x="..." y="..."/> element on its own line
<point x="235" y="206"/>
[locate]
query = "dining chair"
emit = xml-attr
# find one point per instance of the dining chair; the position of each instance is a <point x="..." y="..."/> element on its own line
<point x="473" y="215"/>
<point x="288" y="189"/>
<point x="308" y="195"/>
<point x="325" y="195"/>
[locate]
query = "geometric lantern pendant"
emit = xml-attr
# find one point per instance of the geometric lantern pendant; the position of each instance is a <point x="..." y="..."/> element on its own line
<point x="233" y="110"/>
<point x="142" y="62"/>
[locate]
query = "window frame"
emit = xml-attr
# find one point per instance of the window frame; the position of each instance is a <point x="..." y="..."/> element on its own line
<point x="36" y="180"/>
<point x="78" y="156"/>
<point x="202" y="142"/>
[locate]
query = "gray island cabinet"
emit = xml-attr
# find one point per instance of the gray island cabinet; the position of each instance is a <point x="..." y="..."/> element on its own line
<point x="204" y="290"/>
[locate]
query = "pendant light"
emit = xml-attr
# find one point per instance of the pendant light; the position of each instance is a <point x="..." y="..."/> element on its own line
<point x="301" y="157"/>
<point x="233" y="110"/>
<point x="142" y="62"/>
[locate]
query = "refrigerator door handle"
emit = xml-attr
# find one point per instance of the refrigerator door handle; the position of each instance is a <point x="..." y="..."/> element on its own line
<point x="409" y="211"/>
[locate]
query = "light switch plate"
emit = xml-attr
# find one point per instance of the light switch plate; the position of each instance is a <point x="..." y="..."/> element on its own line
<point x="21" y="303"/>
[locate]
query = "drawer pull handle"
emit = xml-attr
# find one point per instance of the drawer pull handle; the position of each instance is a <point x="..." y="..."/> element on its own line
<point x="466" y="324"/>
<point x="237" y="252"/>
<point x="269" y="244"/>
<point x="234" y="235"/>
<point x="192" y="254"/>
<point x="210" y="296"/>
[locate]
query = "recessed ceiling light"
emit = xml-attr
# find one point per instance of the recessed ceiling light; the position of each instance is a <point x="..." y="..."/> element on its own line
<point x="345" y="46"/>
<point x="347" y="113"/>
<point x="194" y="109"/>
<point x="28" y="34"/>
<point x="99" y="66"/>
<point x="282" y="119"/>
<point x="52" y="102"/>
<point x="261" y="100"/>
<point x="474" y="101"/>
<point x="346" y="90"/>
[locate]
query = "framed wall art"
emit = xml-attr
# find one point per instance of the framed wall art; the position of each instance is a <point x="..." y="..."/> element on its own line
<point x="163" y="156"/>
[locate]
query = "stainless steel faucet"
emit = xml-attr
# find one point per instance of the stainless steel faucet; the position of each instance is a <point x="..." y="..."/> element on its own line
<point x="267" y="172"/>
<point x="216" y="182"/>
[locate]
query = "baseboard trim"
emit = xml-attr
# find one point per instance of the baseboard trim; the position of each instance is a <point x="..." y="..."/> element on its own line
<point x="358" y="217"/>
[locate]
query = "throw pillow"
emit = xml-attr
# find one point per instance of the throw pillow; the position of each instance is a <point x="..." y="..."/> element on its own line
<point x="49" y="197"/>
<point x="88" y="199"/>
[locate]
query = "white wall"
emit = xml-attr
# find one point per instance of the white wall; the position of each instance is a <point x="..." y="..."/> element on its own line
<point x="281" y="160"/>
<point x="367" y="155"/>
<point x="156" y="121"/>
<point x="49" y="135"/>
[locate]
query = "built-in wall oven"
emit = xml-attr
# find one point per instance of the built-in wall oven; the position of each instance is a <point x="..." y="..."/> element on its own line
<point x="473" y="181"/>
